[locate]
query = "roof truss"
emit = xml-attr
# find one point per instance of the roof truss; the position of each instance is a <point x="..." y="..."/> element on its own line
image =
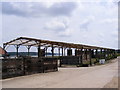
<point x="24" y="41"/>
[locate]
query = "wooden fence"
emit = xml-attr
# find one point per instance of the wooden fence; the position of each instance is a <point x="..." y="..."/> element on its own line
<point x="70" y="60"/>
<point x="74" y="60"/>
<point x="12" y="67"/>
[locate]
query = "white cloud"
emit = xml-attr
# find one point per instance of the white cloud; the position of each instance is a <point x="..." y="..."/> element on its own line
<point x="66" y="33"/>
<point x="55" y="25"/>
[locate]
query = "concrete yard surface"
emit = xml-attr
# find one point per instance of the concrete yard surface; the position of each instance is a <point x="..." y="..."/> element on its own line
<point x="78" y="77"/>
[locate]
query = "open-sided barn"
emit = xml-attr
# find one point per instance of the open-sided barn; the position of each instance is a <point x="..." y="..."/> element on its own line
<point x="28" y="65"/>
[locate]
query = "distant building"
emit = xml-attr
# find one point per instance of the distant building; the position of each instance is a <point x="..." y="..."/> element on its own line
<point x="2" y="51"/>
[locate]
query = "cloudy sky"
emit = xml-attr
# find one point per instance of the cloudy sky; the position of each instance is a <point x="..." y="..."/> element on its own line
<point x="90" y="23"/>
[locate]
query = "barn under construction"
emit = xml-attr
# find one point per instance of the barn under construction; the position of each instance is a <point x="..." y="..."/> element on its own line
<point x="18" y="66"/>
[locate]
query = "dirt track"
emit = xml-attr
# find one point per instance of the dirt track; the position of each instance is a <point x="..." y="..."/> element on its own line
<point x="83" y="77"/>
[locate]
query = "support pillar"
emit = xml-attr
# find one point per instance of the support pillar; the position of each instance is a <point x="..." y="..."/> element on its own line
<point x="69" y="52"/>
<point x="90" y="57"/>
<point x="17" y="47"/>
<point x="105" y="53"/>
<point x="52" y="51"/>
<point x="75" y="52"/>
<point x="86" y="53"/>
<point x="81" y="57"/>
<point x="39" y="51"/>
<point x="113" y="53"/>
<point x="59" y="51"/>
<point x="101" y="53"/>
<point x="96" y="53"/>
<point x="108" y="53"/>
<point x="92" y="53"/>
<point x="28" y="50"/>
<point x="62" y="51"/>
<point x="4" y="46"/>
<point x="46" y="51"/>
